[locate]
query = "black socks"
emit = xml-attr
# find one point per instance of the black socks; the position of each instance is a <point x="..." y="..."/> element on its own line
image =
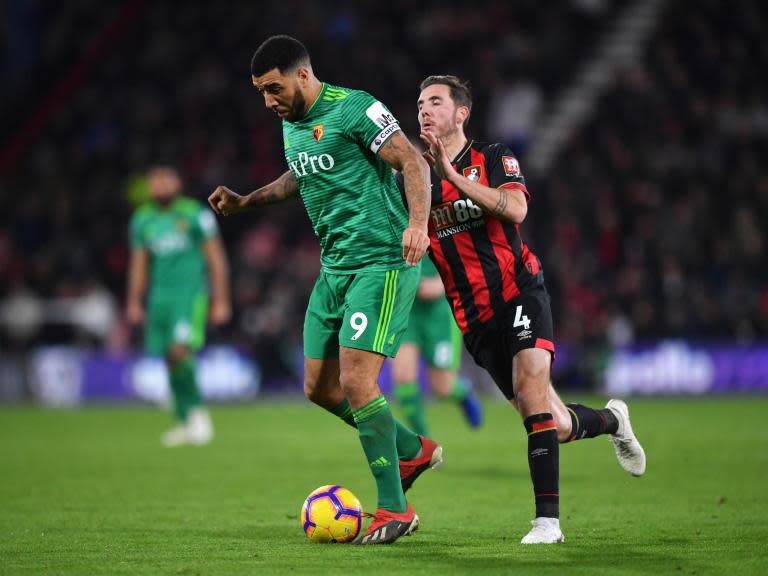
<point x="544" y="463"/>
<point x="588" y="423"/>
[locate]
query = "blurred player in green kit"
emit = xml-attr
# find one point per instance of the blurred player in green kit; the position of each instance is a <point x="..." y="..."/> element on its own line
<point x="177" y="259"/>
<point x="432" y="334"/>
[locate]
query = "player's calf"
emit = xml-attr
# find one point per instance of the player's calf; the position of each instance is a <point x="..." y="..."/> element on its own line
<point x="587" y="422"/>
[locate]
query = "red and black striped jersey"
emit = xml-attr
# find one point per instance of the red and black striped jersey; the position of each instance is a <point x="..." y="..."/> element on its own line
<point x="482" y="260"/>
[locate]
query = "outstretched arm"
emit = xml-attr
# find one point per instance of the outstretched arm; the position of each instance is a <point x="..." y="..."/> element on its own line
<point x="506" y="203"/>
<point x="225" y="201"/>
<point x="403" y="157"/>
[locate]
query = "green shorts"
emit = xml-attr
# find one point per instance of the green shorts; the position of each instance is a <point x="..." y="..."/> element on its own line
<point x="175" y="318"/>
<point x="432" y="328"/>
<point x="366" y="310"/>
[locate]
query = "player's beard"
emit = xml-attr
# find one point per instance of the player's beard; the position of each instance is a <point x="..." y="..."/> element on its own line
<point x="164" y="200"/>
<point x="298" y="107"/>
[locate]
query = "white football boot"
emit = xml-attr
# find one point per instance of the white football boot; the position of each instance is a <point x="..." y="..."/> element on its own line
<point x="199" y="427"/>
<point x="628" y="450"/>
<point x="176" y="436"/>
<point x="544" y="531"/>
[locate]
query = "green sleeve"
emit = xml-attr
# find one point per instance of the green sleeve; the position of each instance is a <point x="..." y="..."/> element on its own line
<point x="369" y="122"/>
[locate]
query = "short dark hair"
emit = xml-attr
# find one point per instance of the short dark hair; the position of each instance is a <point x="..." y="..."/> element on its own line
<point x="459" y="89"/>
<point x="281" y="52"/>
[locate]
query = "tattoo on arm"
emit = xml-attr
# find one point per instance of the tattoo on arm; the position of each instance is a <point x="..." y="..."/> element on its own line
<point x="400" y="155"/>
<point x="281" y="189"/>
<point x="395" y="150"/>
<point x="285" y="187"/>
<point x="501" y="205"/>
<point x="416" y="182"/>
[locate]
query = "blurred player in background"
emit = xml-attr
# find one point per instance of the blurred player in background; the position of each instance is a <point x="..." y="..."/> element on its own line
<point x="496" y="287"/>
<point x="177" y="258"/>
<point x="432" y="334"/>
<point x="340" y="146"/>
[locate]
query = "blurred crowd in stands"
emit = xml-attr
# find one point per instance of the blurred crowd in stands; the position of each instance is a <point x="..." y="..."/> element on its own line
<point x="648" y="223"/>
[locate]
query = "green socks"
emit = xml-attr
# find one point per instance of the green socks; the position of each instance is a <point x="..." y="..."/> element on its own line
<point x="344" y="411"/>
<point x="408" y="443"/>
<point x="186" y="394"/>
<point x="459" y="390"/>
<point x="378" y="434"/>
<point x="412" y="405"/>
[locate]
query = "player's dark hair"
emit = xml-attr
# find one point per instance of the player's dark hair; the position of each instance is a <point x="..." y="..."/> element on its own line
<point x="281" y="52"/>
<point x="459" y="89"/>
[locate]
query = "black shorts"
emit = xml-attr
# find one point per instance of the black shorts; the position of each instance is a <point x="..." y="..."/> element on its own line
<point x="525" y="322"/>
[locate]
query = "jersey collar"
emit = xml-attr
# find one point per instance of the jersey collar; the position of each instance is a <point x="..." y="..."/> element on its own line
<point x="316" y="104"/>
<point x="463" y="152"/>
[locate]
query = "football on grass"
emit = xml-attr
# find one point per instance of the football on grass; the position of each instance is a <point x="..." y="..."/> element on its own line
<point x="331" y="514"/>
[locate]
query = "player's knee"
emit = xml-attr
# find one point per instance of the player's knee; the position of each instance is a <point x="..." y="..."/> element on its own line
<point x="531" y="384"/>
<point x="442" y="390"/>
<point x="312" y="391"/>
<point x="177" y="353"/>
<point x="347" y="382"/>
<point x="531" y="380"/>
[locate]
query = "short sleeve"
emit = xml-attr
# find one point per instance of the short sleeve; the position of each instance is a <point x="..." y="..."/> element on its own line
<point x="136" y="233"/>
<point x="370" y="123"/>
<point x="206" y="222"/>
<point x="504" y="171"/>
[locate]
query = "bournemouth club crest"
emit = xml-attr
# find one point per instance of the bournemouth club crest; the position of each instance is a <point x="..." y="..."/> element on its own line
<point x="317" y="132"/>
<point x="473" y="172"/>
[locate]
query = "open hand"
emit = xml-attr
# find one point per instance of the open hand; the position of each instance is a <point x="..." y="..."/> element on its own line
<point x="415" y="244"/>
<point x="436" y="155"/>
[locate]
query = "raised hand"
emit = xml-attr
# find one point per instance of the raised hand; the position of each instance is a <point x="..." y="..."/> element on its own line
<point x="225" y="201"/>
<point x="436" y="155"/>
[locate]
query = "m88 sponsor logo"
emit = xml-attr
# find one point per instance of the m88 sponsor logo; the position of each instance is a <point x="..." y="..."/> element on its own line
<point x="458" y="216"/>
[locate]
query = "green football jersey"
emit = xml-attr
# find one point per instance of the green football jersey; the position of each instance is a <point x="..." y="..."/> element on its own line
<point x="349" y="193"/>
<point x="173" y="236"/>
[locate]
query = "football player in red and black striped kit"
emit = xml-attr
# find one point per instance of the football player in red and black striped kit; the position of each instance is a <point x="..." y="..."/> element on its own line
<point x="495" y="286"/>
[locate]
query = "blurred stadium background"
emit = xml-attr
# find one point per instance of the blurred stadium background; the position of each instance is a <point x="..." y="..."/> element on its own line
<point x="641" y="126"/>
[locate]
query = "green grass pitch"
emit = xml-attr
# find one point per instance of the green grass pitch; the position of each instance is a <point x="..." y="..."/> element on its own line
<point x="93" y="492"/>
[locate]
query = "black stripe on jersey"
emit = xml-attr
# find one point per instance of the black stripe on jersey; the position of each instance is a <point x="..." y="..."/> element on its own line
<point x="523" y="278"/>
<point x="462" y="285"/>
<point x="490" y="264"/>
<point x="451" y="253"/>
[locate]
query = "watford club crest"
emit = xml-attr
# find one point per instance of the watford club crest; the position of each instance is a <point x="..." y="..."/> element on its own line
<point x="317" y="132"/>
<point x="473" y="172"/>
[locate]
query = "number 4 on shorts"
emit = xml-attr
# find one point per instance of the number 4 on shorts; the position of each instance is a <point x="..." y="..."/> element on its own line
<point x="521" y="319"/>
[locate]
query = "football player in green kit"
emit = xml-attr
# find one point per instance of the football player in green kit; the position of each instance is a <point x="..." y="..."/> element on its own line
<point x="341" y="146"/>
<point x="176" y="253"/>
<point x="432" y="334"/>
